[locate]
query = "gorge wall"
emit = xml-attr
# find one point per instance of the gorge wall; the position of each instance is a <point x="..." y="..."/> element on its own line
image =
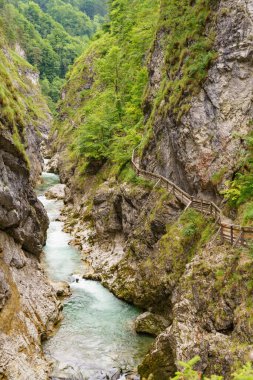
<point x="192" y="120"/>
<point x="202" y="149"/>
<point x="28" y="305"/>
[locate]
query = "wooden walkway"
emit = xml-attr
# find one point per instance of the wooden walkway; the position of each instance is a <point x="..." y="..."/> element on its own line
<point x="234" y="234"/>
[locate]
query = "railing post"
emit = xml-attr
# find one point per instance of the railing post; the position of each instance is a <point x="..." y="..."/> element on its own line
<point x="232" y="234"/>
<point x="221" y="233"/>
<point x="202" y="206"/>
<point x="242" y="237"/>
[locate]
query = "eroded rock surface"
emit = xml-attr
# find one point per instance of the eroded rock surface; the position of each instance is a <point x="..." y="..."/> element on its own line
<point x="150" y="323"/>
<point x="29" y="308"/>
<point x="28" y="314"/>
<point x="205" y="142"/>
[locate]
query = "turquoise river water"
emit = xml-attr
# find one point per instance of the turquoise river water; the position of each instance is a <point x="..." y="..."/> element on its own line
<point x="96" y="337"/>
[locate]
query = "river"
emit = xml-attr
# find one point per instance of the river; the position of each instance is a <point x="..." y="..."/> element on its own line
<point x="96" y="337"/>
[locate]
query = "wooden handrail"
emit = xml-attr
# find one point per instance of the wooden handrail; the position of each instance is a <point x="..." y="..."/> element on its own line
<point x="230" y="232"/>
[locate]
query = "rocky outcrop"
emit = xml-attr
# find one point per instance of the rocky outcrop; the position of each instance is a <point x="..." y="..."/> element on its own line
<point x="21" y="214"/>
<point x="56" y="192"/>
<point x="28" y="314"/>
<point x="61" y="288"/>
<point x="210" y="314"/>
<point x="201" y="151"/>
<point x="150" y="323"/>
<point x="29" y="309"/>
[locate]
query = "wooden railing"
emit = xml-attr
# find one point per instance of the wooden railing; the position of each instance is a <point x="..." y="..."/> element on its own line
<point x="232" y="233"/>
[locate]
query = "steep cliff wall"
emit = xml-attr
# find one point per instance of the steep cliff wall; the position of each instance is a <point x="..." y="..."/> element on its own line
<point x="28" y="306"/>
<point x="197" y="109"/>
<point x="202" y="148"/>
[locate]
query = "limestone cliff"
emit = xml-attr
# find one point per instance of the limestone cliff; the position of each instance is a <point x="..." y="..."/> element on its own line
<point x="202" y="149"/>
<point x="28" y="306"/>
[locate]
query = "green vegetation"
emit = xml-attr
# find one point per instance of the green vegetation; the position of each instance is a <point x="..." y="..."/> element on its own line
<point x="239" y="191"/>
<point x="188" y="53"/>
<point x="188" y="372"/>
<point x="107" y="86"/>
<point x="51" y="33"/>
<point x="217" y="177"/>
<point x="21" y="103"/>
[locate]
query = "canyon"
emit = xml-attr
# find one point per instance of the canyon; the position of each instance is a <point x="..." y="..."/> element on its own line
<point x="175" y="84"/>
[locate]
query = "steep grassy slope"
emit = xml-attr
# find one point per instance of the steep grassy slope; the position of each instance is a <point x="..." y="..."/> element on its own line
<point x="23" y="108"/>
<point x="101" y="112"/>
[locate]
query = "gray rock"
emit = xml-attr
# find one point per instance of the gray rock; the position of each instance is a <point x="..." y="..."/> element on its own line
<point x="150" y="323"/>
<point x="52" y="165"/>
<point x="56" y="192"/>
<point x="4" y="290"/>
<point x="205" y="140"/>
<point x="21" y="213"/>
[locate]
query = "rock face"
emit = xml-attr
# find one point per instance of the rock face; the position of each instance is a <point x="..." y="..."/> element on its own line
<point x="205" y="144"/>
<point x="21" y="214"/>
<point x="29" y="308"/>
<point x="51" y="165"/>
<point x="29" y="311"/>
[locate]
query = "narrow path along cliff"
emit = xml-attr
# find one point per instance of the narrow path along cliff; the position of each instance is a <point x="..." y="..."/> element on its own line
<point x="96" y="337"/>
<point x="130" y="245"/>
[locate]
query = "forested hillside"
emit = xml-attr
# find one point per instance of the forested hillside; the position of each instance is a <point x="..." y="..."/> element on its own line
<point x="52" y="34"/>
<point x="106" y="86"/>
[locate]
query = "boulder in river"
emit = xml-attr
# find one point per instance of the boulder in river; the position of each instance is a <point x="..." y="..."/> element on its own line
<point x="62" y="288"/>
<point x="56" y="192"/>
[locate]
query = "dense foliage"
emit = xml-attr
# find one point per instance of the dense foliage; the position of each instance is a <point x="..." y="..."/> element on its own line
<point x="108" y="117"/>
<point x="52" y="34"/>
<point x="188" y="372"/>
<point x="188" y="52"/>
<point x="239" y="192"/>
<point x="21" y="103"/>
<point x="106" y="85"/>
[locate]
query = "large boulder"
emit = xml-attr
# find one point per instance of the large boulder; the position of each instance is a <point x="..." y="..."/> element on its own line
<point x="150" y="323"/>
<point x="62" y="288"/>
<point x="56" y="192"/>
